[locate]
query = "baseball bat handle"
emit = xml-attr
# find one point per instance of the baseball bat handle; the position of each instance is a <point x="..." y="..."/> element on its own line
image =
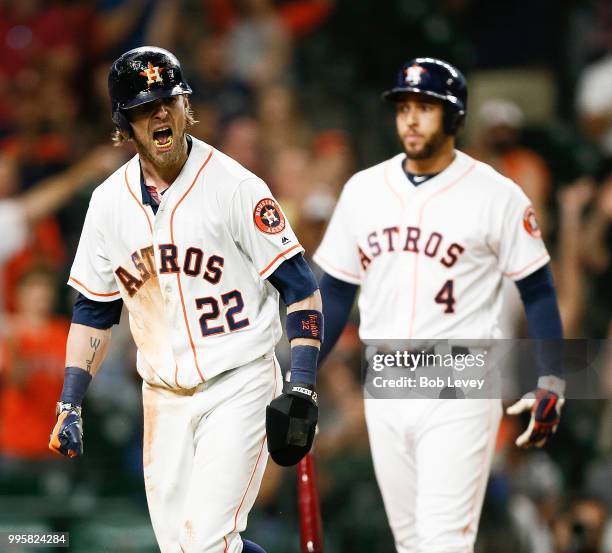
<point x="311" y="528"/>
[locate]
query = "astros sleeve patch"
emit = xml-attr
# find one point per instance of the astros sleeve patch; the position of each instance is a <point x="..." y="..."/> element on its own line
<point x="268" y="217"/>
<point x="521" y="249"/>
<point x="260" y="227"/>
<point x="530" y="224"/>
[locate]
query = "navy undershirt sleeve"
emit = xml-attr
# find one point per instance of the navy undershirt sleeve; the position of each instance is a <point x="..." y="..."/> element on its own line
<point x="540" y="301"/>
<point x="294" y="280"/>
<point x="543" y="318"/>
<point x="97" y="314"/>
<point x="337" y="297"/>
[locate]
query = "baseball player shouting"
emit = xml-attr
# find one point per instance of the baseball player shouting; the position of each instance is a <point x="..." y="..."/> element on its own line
<point x="199" y="251"/>
<point x="428" y="235"/>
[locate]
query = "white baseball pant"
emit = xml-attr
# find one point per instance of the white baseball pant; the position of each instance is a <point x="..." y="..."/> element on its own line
<point x="432" y="459"/>
<point x="204" y="455"/>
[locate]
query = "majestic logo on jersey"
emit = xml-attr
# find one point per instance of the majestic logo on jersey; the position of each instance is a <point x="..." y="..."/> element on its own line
<point x="413" y="74"/>
<point x="153" y="74"/>
<point x="530" y="223"/>
<point x="409" y="239"/>
<point x="268" y="217"/>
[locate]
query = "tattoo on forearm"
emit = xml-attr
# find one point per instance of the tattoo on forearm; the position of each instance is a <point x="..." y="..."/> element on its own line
<point x="95" y="344"/>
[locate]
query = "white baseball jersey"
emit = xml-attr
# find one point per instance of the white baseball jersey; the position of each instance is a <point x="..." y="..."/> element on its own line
<point x="193" y="276"/>
<point x="430" y="259"/>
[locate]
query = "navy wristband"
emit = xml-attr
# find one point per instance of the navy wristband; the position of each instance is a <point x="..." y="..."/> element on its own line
<point x="305" y="323"/>
<point x="304" y="364"/>
<point x="76" y="382"/>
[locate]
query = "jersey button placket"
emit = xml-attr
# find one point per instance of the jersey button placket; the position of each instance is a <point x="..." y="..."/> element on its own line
<point x="161" y="236"/>
<point x="411" y="219"/>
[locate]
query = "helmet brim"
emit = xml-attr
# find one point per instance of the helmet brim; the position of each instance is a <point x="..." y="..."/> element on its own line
<point x="399" y="95"/>
<point x="151" y="95"/>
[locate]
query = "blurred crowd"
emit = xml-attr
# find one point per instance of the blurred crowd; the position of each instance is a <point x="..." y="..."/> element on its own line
<point x="290" y="89"/>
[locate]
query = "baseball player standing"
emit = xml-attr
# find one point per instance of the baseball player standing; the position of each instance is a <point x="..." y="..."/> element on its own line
<point x="428" y="236"/>
<point x="199" y="251"/>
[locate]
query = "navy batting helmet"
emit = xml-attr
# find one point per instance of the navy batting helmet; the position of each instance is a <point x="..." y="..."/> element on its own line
<point x="140" y="76"/>
<point x="436" y="78"/>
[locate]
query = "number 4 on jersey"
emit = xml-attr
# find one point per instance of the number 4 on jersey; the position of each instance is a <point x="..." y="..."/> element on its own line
<point x="445" y="297"/>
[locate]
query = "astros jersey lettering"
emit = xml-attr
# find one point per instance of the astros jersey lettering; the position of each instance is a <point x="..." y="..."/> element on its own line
<point x="193" y="276"/>
<point x="430" y="259"/>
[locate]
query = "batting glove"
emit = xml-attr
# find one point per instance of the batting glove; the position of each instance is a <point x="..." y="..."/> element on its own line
<point x="545" y="404"/>
<point x="67" y="435"/>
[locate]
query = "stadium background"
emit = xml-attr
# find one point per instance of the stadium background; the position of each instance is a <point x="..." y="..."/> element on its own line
<point x="291" y="89"/>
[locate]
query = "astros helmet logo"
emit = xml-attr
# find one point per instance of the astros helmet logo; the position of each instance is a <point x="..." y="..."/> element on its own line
<point x="153" y="74"/>
<point x="414" y="74"/>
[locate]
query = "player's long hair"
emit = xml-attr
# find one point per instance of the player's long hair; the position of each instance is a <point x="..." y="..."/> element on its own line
<point x="120" y="137"/>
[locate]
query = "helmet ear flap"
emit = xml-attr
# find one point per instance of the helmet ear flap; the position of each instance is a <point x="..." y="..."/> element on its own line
<point x="122" y="122"/>
<point x="453" y="118"/>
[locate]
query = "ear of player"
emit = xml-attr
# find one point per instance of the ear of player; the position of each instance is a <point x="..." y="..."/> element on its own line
<point x="67" y="435"/>
<point x="291" y="418"/>
<point x="545" y="404"/>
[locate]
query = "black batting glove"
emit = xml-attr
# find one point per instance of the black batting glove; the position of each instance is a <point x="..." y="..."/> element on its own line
<point x="291" y="421"/>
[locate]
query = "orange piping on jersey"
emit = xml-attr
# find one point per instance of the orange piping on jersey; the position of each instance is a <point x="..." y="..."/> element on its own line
<point x="178" y="275"/>
<point x="176" y="376"/>
<point x="137" y="200"/>
<point x="416" y="260"/>
<point x="483" y="474"/>
<point x="245" y="493"/>
<point x="278" y="257"/>
<point x="263" y="441"/>
<point x="256" y="462"/>
<point x="515" y="273"/>
<point x="248" y="486"/>
<point x="90" y="291"/>
<point x="391" y="186"/>
<point x="336" y="268"/>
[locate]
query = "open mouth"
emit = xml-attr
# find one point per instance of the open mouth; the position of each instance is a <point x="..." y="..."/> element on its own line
<point x="162" y="138"/>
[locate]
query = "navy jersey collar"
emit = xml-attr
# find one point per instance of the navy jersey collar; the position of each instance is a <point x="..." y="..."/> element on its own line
<point x="417" y="180"/>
